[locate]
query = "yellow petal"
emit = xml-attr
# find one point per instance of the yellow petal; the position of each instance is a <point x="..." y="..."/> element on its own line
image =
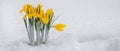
<point x="49" y="12"/>
<point x="45" y="20"/>
<point x="21" y="11"/>
<point x="59" y="27"/>
<point x="25" y="8"/>
<point x="39" y="6"/>
<point x="29" y="16"/>
<point x="41" y="13"/>
<point x="31" y="10"/>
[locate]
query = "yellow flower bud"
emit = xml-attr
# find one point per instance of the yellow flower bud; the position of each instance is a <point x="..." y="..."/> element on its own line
<point x="49" y="12"/>
<point x="41" y="13"/>
<point x="38" y="8"/>
<point x="45" y="20"/>
<point x="59" y="27"/>
<point x="30" y="10"/>
<point x="25" y="8"/>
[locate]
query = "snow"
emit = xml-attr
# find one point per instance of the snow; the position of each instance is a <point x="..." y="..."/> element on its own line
<point x="92" y="25"/>
<point x="64" y="44"/>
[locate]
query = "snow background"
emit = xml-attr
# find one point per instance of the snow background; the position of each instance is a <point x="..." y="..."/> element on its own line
<point x="92" y="25"/>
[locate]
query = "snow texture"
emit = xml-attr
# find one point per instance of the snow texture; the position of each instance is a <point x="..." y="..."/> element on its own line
<point x="92" y="25"/>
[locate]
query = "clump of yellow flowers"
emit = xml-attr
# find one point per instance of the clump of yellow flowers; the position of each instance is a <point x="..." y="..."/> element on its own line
<point x="38" y="20"/>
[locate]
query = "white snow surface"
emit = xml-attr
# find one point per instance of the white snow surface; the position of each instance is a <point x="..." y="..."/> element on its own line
<point x="92" y="25"/>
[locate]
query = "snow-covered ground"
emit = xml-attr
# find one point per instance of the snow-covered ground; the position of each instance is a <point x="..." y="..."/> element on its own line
<point x="92" y="25"/>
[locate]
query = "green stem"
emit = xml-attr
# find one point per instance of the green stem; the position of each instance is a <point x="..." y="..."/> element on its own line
<point x="38" y="33"/>
<point x="46" y="35"/>
<point x="28" y="32"/>
<point x="31" y="30"/>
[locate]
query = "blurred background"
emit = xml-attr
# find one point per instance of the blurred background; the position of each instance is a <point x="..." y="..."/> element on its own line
<point x="85" y="19"/>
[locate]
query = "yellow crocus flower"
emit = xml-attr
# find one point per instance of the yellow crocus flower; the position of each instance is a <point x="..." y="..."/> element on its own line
<point x="35" y="14"/>
<point x="45" y="20"/>
<point x="30" y="10"/>
<point x="59" y="27"/>
<point x="37" y="11"/>
<point x="42" y="13"/>
<point x="25" y="8"/>
<point x="49" y="12"/>
<point x="38" y="8"/>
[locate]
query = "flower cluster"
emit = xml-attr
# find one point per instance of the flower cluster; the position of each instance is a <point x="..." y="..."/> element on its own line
<point x="40" y="20"/>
